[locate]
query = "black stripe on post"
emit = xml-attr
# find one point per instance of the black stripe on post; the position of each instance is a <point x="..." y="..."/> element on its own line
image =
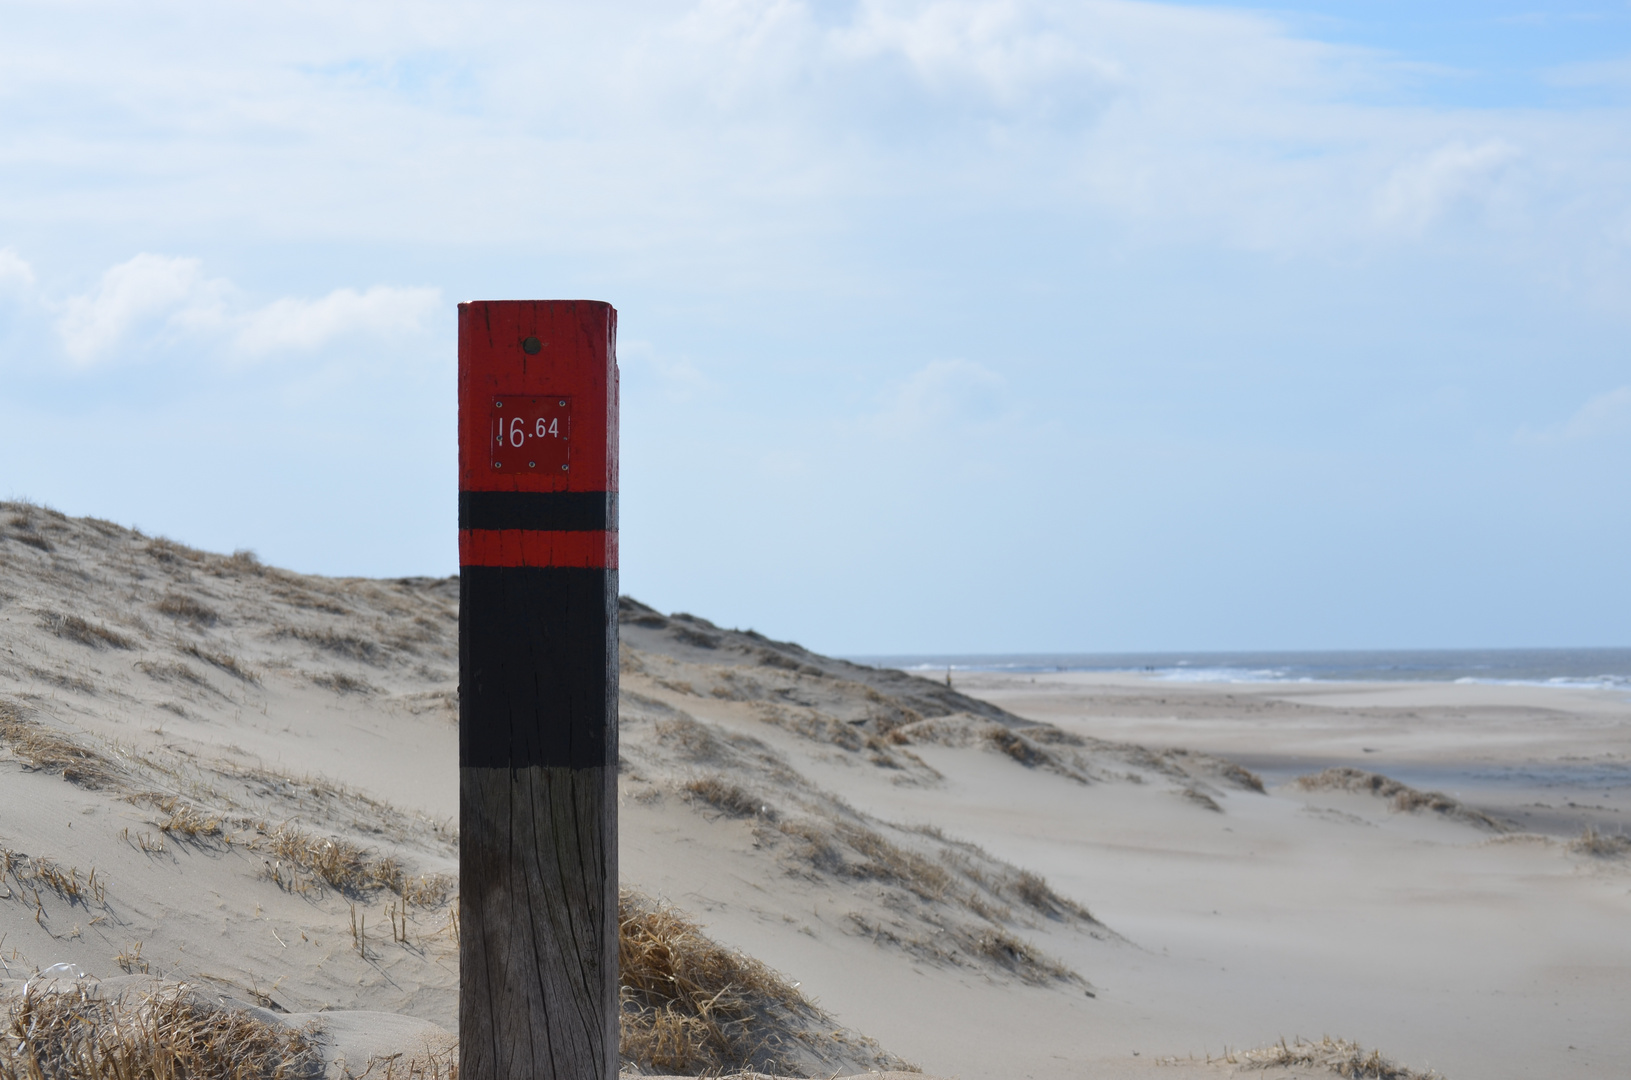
<point x="537" y="667"/>
<point x="547" y="511"/>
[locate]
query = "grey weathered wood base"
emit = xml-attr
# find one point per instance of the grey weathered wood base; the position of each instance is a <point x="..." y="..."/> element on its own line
<point x="538" y="924"/>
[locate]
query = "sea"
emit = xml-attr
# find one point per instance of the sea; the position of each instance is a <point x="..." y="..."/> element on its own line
<point x="1586" y="668"/>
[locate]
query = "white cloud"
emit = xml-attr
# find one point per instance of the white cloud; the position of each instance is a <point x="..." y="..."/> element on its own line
<point x="294" y="323"/>
<point x="668" y="114"/>
<point x="1421" y="190"/>
<point x="732" y="137"/>
<point x="147" y="288"/>
<point x="941" y="397"/>
<point x="168" y="299"/>
<point x="1013" y="53"/>
<point x="1606" y="413"/>
<point x="15" y="274"/>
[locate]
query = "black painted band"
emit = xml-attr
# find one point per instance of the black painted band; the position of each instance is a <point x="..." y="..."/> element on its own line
<point x="547" y="511"/>
<point x="537" y="667"/>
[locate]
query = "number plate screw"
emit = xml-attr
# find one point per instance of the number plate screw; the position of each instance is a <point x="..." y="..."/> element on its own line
<point x="531" y="346"/>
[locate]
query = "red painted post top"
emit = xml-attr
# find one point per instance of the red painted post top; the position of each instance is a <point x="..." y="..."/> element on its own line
<point x="538" y="433"/>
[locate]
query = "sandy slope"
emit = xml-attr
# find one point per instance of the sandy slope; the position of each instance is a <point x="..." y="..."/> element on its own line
<point x="922" y="861"/>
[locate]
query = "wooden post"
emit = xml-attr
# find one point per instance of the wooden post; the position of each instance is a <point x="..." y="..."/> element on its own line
<point x="538" y="690"/>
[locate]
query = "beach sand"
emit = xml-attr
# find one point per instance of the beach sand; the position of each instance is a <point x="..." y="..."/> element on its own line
<point x="1477" y="952"/>
<point x="1075" y="876"/>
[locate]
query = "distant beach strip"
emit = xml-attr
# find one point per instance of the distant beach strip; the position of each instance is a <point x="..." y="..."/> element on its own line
<point x="1584" y="669"/>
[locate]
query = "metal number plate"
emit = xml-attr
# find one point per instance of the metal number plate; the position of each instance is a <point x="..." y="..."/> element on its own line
<point x="531" y="435"/>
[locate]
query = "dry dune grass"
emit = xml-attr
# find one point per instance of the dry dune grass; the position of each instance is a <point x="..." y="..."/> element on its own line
<point x="73" y="628"/>
<point x="909" y="889"/>
<point x="1200" y="798"/>
<point x="350" y="646"/>
<point x="925" y="917"/>
<point x="323" y="860"/>
<point x="1344" y="1058"/>
<point x="726" y="797"/>
<point x="183" y="607"/>
<point x="225" y="661"/>
<point x="695" y="1008"/>
<point x="24" y="528"/>
<point x="69" y="1034"/>
<point x="955" y="943"/>
<point x="341" y="683"/>
<point x="31" y="873"/>
<point x="431" y="1064"/>
<point x="41" y="748"/>
<point x="171" y="673"/>
<point x="852" y="850"/>
<point x="889" y="862"/>
<point x="165" y="550"/>
<point x="1034" y="891"/>
<point x="1402" y="797"/>
<point x="1600" y="844"/>
<point x="300" y="861"/>
<point x="344" y="867"/>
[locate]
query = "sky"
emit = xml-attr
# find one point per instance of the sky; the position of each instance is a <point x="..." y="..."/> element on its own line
<point x="945" y="325"/>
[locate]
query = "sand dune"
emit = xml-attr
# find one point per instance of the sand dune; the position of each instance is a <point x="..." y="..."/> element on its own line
<point x="1095" y="877"/>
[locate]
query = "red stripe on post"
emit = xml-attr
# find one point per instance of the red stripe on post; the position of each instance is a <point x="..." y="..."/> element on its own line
<point x="531" y="547"/>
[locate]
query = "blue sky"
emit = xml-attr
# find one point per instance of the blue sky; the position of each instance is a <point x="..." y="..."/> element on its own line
<point x="947" y="325"/>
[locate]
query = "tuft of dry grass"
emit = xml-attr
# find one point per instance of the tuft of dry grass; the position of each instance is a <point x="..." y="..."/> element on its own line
<point x="225" y="661"/>
<point x="1403" y="797"/>
<point x="1018" y="747"/>
<point x="691" y="738"/>
<point x="292" y="589"/>
<point x="1200" y="798"/>
<point x="1241" y="777"/>
<point x="131" y="962"/>
<point x="349" y="869"/>
<point x="180" y="606"/>
<point x="430" y="1064"/>
<point x="814" y="845"/>
<point x="75" y="629"/>
<point x="1345" y="1058"/>
<point x="341" y="683"/>
<point x="66" y="680"/>
<point x="69" y="1034"/>
<point x="31" y="873"/>
<point x="32" y="539"/>
<point x="957" y="943"/>
<point x="168" y="551"/>
<point x="45" y="750"/>
<point x="887" y="862"/>
<point x="1008" y="951"/>
<point x="172" y="673"/>
<point x="347" y="645"/>
<point x="1034" y="892"/>
<point x="26" y="530"/>
<point x="189" y="823"/>
<point x="1600" y="844"/>
<point x="726" y="797"/>
<point x="693" y="1007"/>
<point x="823" y="847"/>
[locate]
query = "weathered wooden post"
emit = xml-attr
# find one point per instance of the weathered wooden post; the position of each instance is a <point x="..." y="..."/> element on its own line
<point x="538" y="690"/>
